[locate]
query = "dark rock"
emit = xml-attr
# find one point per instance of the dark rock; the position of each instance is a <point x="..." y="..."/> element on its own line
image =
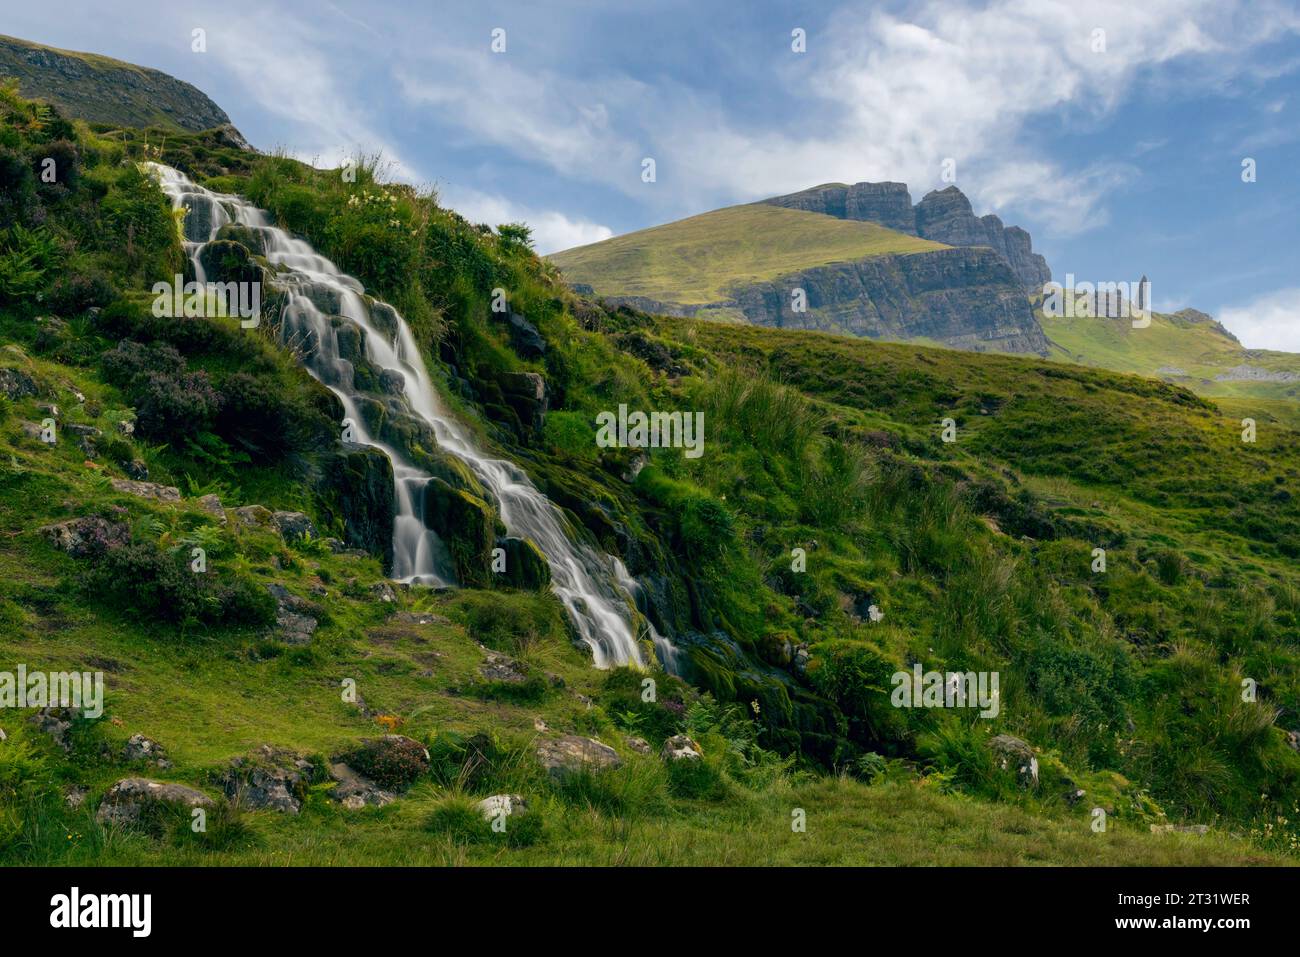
<point x="499" y="667"/>
<point x="527" y="394"/>
<point x="293" y="526"/>
<point x="16" y="384"/>
<point x="466" y="525"/>
<point x="269" y="778"/>
<point x="524" y="337"/>
<point x="526" y="566"/>
<point x="358" y="488"/>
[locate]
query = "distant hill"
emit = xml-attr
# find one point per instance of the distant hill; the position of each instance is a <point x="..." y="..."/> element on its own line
<point x="749" y="263"/>
<point x="99" y="89"/>
<point x="1187" y="348"/>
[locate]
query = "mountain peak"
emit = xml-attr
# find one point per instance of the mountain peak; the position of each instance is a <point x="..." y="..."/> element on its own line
<point x="943" y="215"/>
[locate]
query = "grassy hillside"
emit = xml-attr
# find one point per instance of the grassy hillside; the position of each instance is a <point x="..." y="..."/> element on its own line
<point x="99" y="89"/>
<point x="1125" y="684"/>
<point x="1187" y="348"/>
<point x="697" y="260"/>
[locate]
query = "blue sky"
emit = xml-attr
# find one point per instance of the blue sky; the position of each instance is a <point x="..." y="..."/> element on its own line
<point x="1122" y="158"/>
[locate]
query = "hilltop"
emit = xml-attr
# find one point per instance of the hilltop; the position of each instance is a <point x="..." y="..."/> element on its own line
<point x="99" y="89"/>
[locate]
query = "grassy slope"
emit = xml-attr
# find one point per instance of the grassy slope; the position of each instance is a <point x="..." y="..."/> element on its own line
<point x="1201" y="588"/>
<point x="1189" y="353"/>
<point x="697" y="260"/>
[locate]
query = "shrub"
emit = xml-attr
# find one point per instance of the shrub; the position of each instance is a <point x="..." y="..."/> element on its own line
<point x="392" y="762"/>
<point x="175" y="408"/>
<point x="459" y="818"/>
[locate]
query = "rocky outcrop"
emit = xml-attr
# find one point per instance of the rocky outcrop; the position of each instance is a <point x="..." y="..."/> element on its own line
<point x="964" y="298"/>
<point x="357" y="486"/>
<point x="269" y="778"/>
<point x="944" y="216"/>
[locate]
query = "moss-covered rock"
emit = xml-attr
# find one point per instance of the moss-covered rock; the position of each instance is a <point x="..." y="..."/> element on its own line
<point x="466" y="524"/>
<point x="357" y="488"/>
<point x="525" y="565"/>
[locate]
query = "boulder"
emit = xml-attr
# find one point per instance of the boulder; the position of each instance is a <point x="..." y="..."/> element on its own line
<point x="680" y="747"/>
<point x="639" y="745"/>
<point x="131" y="798"/>
<point x="355" y="791"/>
<point x="253" y="516"/>
<point x="295" y="617"/>
<point x="357" y="486"/>
<point x="466" y="524"/>
<point x="526" y="566"/>
<point x="528" y="395"/>
<point x="524" y="337"/>
<point x="1012" y="753"/>
<point x="269" y="778"/>
<point x="293" y="526"/>
<point x="16" y="384"/>
<point x="212" y="505"/>
<point x="560" y="757"/>
<point x="499" y="667"/>
<point x="88" y="537"/>
<point x="159" y="493"/>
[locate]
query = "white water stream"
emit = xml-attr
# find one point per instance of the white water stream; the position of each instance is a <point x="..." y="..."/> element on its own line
<point x="596" y="589"/>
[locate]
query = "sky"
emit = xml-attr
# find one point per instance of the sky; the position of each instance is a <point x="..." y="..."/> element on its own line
<point x="1115" y="132"/>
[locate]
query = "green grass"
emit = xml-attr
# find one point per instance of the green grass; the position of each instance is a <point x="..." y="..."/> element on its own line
<point x="1126" y="684"/>
<point x="698" y="260"/>
<point x="1182" y="350"/>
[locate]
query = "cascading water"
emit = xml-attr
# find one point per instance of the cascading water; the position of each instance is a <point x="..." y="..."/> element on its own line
<point x="596" y="589"/>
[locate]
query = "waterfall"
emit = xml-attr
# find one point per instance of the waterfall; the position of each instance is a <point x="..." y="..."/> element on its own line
<point x="596" y="589"/>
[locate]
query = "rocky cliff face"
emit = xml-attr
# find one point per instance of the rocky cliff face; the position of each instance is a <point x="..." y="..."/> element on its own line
<point x="944" y="216"/>
<point x="965" y="298"/>
<point x="101" y="90"/>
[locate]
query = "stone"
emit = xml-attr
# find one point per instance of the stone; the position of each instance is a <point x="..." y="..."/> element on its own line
<point x="680" y="747"/>
<point x="16" y="384"/>
<point x="1012" y="753"/>
<point x="357" y="484"/>
<point x="526" y="566"/>
<point x="499" y="667"/>
<point x="560" y="757"/>
<point x="639" y="745"/>
<point x="56" y="722"/>
<point x="125" y="801"/>
<point x="251" y="516"/>
<point x="151" y="490"/>
<point x="528" y="395"/>
<point x="269" y="778"/>
<point x="392" y="382"/>
<point x="293" y="526"/>
<point x="355" y="791"/>
<point x="524" y="337"/>
<point x="498" y="805"/>
<point x="142" y="748"/>
<point x="212" y="505"/>
<point x="137" y="469"/>
<point x="466" y="524"/>
<point x="87" y="537"/>
<point x="382" y="591"/>
<point x="1293" y="740"/>
<point x="294" y="616"/>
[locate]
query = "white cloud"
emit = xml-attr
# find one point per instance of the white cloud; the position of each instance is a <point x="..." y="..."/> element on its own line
<point x="1270" y="321"/>
<point x="552" y="230"/>
<point x="882" y="95"/>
